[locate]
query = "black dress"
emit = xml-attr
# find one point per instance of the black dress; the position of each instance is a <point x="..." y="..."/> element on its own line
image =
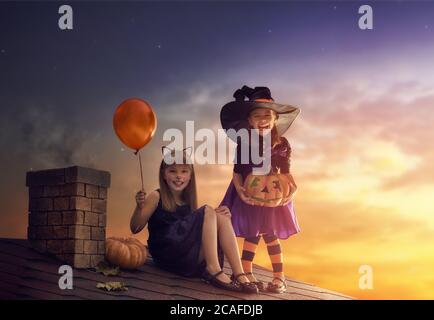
<point x="175" y="240"/>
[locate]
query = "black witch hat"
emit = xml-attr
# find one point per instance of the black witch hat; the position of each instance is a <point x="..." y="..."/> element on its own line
<point x="234" y="114"/>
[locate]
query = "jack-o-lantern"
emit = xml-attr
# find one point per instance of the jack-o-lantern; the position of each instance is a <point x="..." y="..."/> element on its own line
<point x="267" y="190"/>
<point x="127" y="253"/>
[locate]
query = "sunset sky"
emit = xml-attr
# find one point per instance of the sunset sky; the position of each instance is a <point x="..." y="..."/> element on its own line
<point x="362" y="154"/>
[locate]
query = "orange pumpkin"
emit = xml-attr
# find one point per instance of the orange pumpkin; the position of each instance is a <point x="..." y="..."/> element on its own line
<point x="267" y="191"/>
<point x="127" y="253"/>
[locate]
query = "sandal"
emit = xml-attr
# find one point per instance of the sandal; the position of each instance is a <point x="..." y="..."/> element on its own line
<point x="212" y="279"/>
<point x="277" y="288"/>
<point x="246" y="287"/>
<point x="261" y="285"/>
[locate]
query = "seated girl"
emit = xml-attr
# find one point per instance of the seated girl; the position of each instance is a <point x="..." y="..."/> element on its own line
<point x="184" y="239"/>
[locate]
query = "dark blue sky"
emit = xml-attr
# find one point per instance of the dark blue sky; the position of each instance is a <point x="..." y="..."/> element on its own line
<point x="120" y="49"/>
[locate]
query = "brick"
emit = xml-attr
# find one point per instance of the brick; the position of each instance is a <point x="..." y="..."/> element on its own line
<point x="95" y="259"/>
<point x="91" y="219"/>
<point x="54" y="218"/>
<point x="73" y="246"/>
<point x="97" y="233"/>
<point x="102" y="219"/>
<point x="79" y="232"/>
<point x="55" y="246"/>
<point x="82" y="261"/>
<point x="61" y="203"/>
<point x="99" y="205"/>
<point x="43" y="233"/>
<point x="59" y="232"/>
<point x="72" y="189"/>
<point x="51" y="191"/>
<point x="101" y="247"/>
<point x="78" y="260"/>
<point x="36" y="192"/>
<point x="80" y="203"/>
<point x="72" y="217"/>
<point x="92" y="191"/>
<point x="40" y="204"/>
<point x="45" y="177"/>
<point x="90" y="247"/>
<point x="39" y="245"/>
<point x="102" y="193"/>
<point x="87" y="175"/>
<point x="37" y="219"/>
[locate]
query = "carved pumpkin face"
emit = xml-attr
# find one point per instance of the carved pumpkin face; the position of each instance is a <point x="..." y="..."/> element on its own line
<point x="268" y="191"/>
<point x="127" y="253"/>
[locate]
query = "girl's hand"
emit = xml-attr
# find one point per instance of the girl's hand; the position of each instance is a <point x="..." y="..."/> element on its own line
<point x="292" y="191"/>
<point x="244" y="196"/>
<point x="140" y="198"/>
<point x="223" y="210"/>
<point x="293" y="188"/>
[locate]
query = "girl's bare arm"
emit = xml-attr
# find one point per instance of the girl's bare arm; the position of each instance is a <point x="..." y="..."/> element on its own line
<point x="145" y="207"/>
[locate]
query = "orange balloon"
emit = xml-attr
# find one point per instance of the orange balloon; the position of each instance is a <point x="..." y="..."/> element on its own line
<point x="135" y="123"/>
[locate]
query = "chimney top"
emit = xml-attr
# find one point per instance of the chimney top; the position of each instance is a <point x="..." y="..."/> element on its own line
<point x="68" y="175"/>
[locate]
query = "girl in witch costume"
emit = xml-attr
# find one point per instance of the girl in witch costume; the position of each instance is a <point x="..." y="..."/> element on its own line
<point x="184" y="239"/>
<point x="252" y="221"/>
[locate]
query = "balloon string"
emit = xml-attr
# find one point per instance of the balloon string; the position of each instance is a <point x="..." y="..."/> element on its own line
<point x="141" y="171"/>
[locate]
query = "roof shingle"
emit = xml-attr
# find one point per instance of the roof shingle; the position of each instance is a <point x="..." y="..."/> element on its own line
<point x="27" y="274"/>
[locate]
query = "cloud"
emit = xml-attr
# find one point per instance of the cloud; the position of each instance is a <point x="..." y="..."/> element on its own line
<point x="43" y="139"/>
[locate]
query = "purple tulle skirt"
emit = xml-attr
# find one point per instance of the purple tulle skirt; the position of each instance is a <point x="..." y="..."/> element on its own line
<point x="250" y="221"/>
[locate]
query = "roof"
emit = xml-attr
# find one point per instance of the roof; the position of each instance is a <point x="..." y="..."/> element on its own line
<point x="27" y="274"/>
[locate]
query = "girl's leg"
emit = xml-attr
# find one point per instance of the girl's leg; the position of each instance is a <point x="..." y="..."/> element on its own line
<point x="276" y="257"/>
<point x="209" y="244"/>
<point x="249" y="249"/>
<point x="228" y="242"/>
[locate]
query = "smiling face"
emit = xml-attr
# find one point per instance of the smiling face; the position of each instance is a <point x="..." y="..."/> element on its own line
<point x="177" y="177"/>
<point x="262" y="118"/>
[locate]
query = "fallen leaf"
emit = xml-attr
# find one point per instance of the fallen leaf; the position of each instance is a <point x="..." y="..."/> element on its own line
<point x="107" y="269"/>
<point x="112" y="286"/>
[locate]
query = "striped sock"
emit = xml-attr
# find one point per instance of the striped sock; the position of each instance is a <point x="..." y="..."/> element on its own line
<point x="249" y="250"/>
<point x="275" y="253"/>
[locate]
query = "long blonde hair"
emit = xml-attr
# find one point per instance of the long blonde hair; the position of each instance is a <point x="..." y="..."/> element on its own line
<point x="189" y="194"/>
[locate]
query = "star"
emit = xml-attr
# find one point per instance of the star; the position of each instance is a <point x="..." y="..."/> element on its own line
<point x="159" y="46"/>
<point x="335" y="7"/>
<point x="426" y="27"/>
<point x="269" y="30"/>
<point x="3" y="51"/>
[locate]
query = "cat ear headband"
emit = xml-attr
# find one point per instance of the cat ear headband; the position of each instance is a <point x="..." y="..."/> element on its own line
<point x="173" y="156"/>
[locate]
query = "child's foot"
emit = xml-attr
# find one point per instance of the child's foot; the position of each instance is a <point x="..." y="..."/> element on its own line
<point x="245" y="285"/>
<point x="220" y="280"/>
<point x="278" y="285"/>
<point x="252" y="278"/>
<point x="222" y="277"/>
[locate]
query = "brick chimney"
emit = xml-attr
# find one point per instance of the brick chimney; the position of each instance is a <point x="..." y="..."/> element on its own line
<point x="67" y="214"/>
